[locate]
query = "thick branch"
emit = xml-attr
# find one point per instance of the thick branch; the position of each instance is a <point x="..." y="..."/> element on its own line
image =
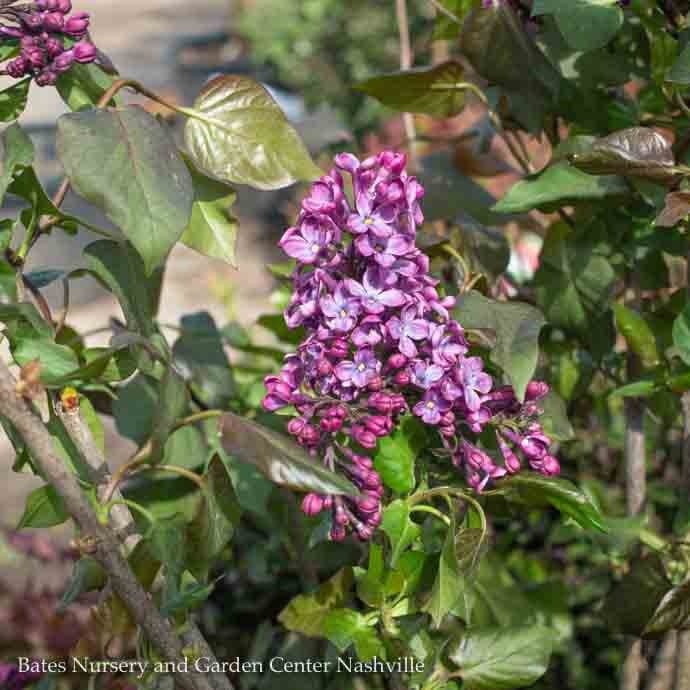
<point x="661" y="676"/>
<point x="123" y="521"/>
<point x="106" y="546"/>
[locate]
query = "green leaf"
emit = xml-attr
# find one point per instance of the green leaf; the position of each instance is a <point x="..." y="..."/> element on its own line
<point x="122" y="272"/>
<point x="585" y="24"/>
<point x="87" y="576"/>
<point x="447" y="29"/>
<point x="238" y="133"/>
<point x="134" y="409"/>
<point x="397" y="453"/>
<point x="554" y="419"/>
<point x="200" y="356"/>
<point x="638" y="334"/>
<point x="345" y="627"/>
<point x="559" y="185"/>
<point x="637" y="389"/>
<point x="306" y="613"/>
<point x="82" y="86"/>
<point x="167" y="544"/>
<point x="57" y="361"/>
<point x="574" y="281"/>
<point x="173" y="399"/>
<point x="681" y="334"/>
<point x="502" y="658"/>
<point x="44" y="508"/>
<point x="646" y="584"/>
<point x="438" y="91"/>
<point x="398" y="527"/>
<point x="278" y="458"/>
<point x="126" y="163"/>
<point x="188" y="598"/>
<point x="517" y="327"/>
<point x="635" y="152"/>
<point x="536" y="490"/>
<point x="680" y="70"/>
<point x="370" y="581"/>
<point x="212" y="231"/>
<point x="13" y="100"/>
<point x="214" y="524"/>
<point x="449" y="582"/>
<point x="17" y="153"/>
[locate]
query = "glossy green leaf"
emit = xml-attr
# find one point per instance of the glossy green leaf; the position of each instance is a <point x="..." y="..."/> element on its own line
<point x="536" y="490"/>
<point x="173" y="400"/>
<point x="122" y="271"/>
<point x="238" y="133"/>
<point x="212" y="231"/>
<point x="449" y="582"/>
<point x="638" y="334"/>
<point x="188" y="598"/>
<point x="44" y="508"/>
<point x="200" y="357"/>
<point x="398" y="527"/>
<point x="13" y="100"/>
<point x="585" y="24"/>
<point x="446" y="28"/>
<point x="438" y="91"/>
<point x="214" y="524"/>
<point x="554" y="418"/>
<point x="126" y="163"/>
<point x="396" y="455"/>
<point x="17" y="153"/>
<point x="134" y="408"/>
<point x="574" y="282"/>
<point x="82" y="86"/>
<point x="345" y="627"/>
<point x="306" y="613"/>
<point x="502" y="658"/>
<point x="57" y="361"/>
<point x="279" y="458"/>
<point x="516" y="326"/>
<point x="559" y="185"/>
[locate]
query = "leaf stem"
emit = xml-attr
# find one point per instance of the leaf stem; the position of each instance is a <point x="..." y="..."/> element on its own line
<point x="432" y="511"/>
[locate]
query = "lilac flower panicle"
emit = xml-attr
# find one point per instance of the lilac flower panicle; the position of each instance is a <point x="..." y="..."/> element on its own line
<point x="50" y="41"/>
<point x="380" y="344"/>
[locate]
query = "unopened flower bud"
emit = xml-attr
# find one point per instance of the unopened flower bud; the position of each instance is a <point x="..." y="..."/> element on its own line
<point x="18" y="67"/>
<point x="54" y="47"/>
<point x="53" y="21"/>
<point x="536" y="390"/>
<point x="63" y="62"/>
<point x="85" y="52"/>
<point x="363" y="436"/>
<point x="46" y="78"/>
<point x="381" y="402"/>
<point x="396" y="361"/>
<point x="376" y="384"/>
<point x="312" y="504"/>
<point x="77" y="24"/>
<point x="402" y="378"/>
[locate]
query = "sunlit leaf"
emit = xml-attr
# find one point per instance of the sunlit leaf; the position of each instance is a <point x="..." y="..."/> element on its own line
<point x="238" y="133"/>
<point x="280" y="459"/>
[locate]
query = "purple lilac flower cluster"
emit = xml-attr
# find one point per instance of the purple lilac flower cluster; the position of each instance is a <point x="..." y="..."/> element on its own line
<point x="11" y="678"/>
<point x="381" y="343"/>
<point x="50" y="40"/>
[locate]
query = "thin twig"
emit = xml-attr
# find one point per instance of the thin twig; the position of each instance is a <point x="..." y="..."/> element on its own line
<point x="123" y="521"/>
<point x="661" y="675"/>
<point x="104" y="545"/>
<point x="446" y="12"/>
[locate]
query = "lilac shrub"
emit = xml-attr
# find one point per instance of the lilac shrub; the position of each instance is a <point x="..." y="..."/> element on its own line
<point x="381" y="343"/>
<point x="50" y="39"/>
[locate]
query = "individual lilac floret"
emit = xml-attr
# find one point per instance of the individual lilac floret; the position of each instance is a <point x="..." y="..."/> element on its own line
<point x="380" y="343"/>
<point x="50" y="41"/>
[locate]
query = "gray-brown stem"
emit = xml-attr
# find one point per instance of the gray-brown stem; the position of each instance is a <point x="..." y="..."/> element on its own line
<point x="106" y="547"/>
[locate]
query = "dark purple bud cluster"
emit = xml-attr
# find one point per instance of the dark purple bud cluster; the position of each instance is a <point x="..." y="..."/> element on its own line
<point x="381" y="343"/>
<point x="11" y="678"/>
<point x="51" y="40"/>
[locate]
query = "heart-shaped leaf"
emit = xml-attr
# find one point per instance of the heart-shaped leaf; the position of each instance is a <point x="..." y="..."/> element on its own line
<point x="280" y="459"/>
<point x="439" y="90"/>
<point x="126" y="163"/>
<point x="517" y="327"/>
<point x="238" y="133"/>
<point x="502" y="658"/>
